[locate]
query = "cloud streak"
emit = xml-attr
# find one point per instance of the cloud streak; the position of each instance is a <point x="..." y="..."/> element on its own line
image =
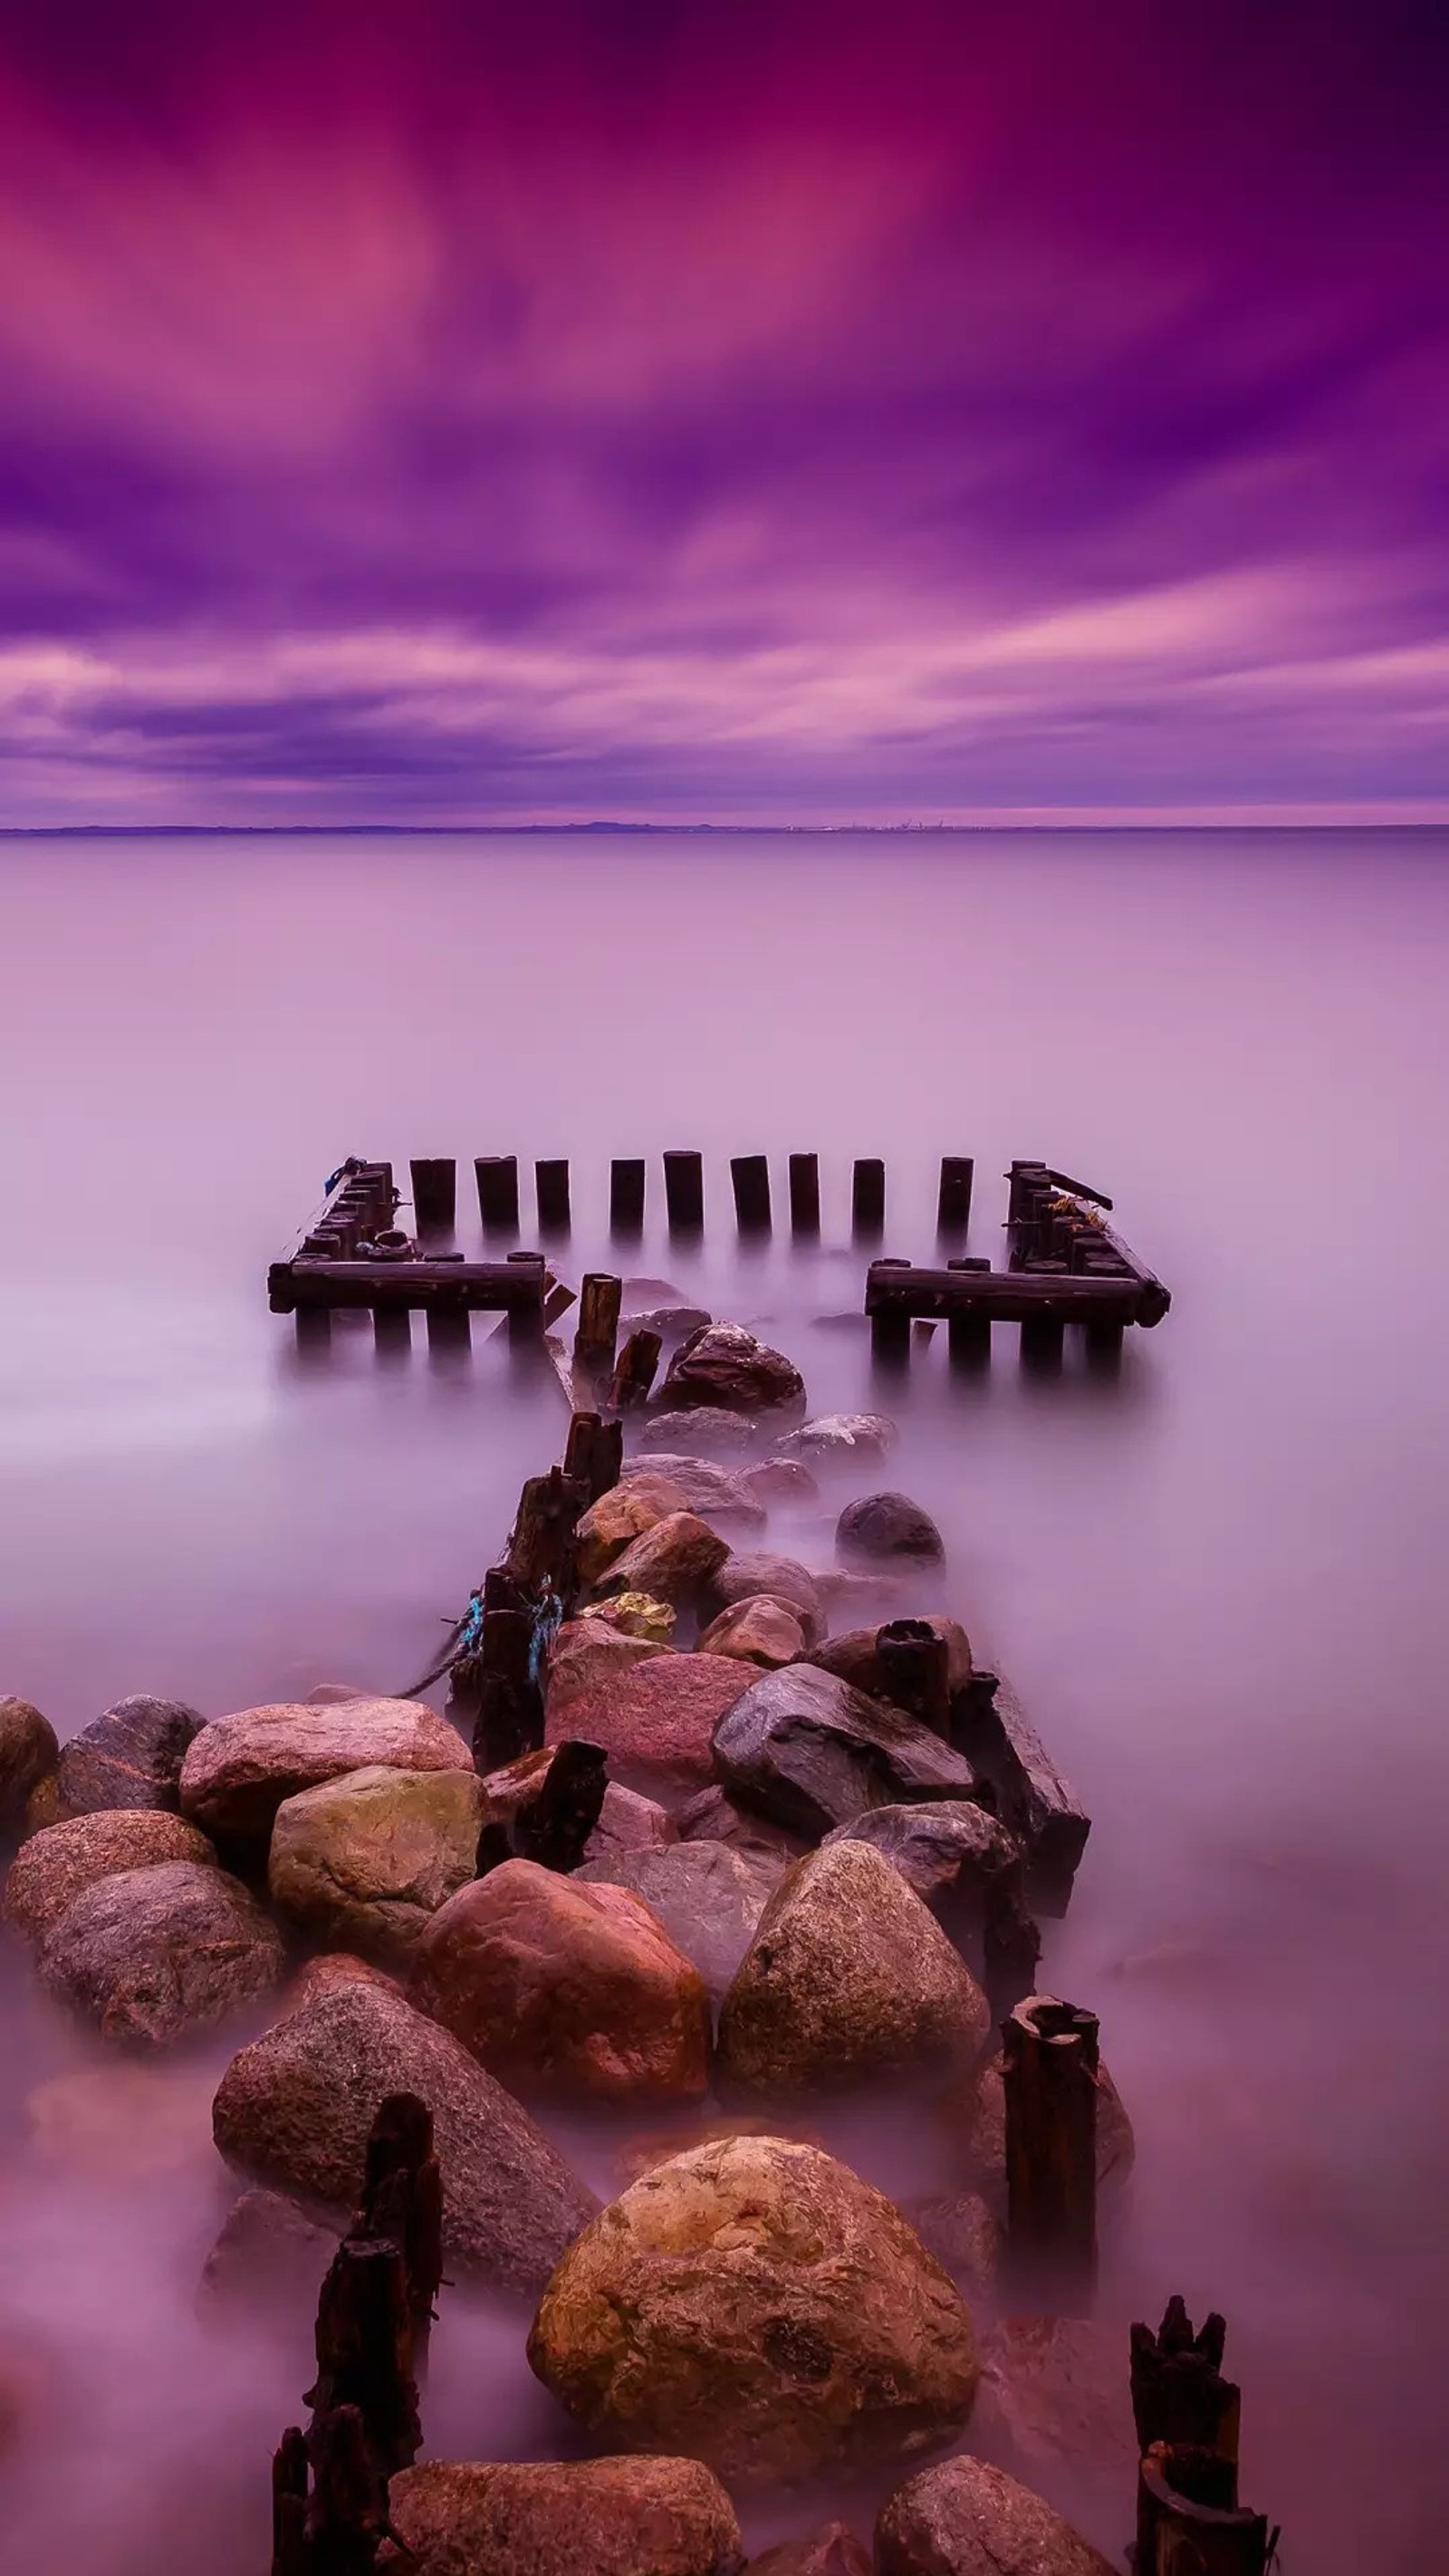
<point x="673" y="411"/>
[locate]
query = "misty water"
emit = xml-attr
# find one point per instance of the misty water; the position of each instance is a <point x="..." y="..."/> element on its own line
<point x="1216" y="1582"/>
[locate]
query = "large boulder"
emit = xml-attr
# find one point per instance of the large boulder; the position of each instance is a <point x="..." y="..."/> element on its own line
<point x="713" y="1816"/>
<point x="655" y="1719"/>
<point x="708" y="1897"/>
<point x="155" y="1955"/>
<point x="752" y="1574"/>
<point x="775" y="1481"/>
<point x="703" y="1430"/>
<point x="130" y="1757"/>
<point x="716" y="1493"/>
<point x="967" y="2241"/>
<point x="672" y="1561"/>
<point x="962" y="2518"/>
<point x="755" y="2302"/>
<point x="239" y="1769"/>
<point x="566" y="1989"/>
<point x="364" y="1861"/>
<point x="832" y="2551"/>
<point x="622" y="1514"/>
<point x="588" y="1657"/>
<point x="54" y="1867"/>
<point x="756" y="1631"/>
<point x="28" y="1754"/>
<point x="641" y="2517"/>
<point x="960" y="1860"/>
<point x="887" y="1526"/>
<point x="724" y="1365"/>
<point x="839" y="1439"/>
<point x="1055" y="2405"/>
<point x="629" y="1823"/>
<point x="294" y="2110"/>
<point x="269" y="2261"/>
<point x="975" y="2110"/>
<point x="848" y="1982"/>
<point x="812" y="1753"/>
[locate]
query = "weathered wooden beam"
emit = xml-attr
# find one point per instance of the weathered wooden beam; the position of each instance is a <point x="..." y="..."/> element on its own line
<point x="1050" y="2080"/>
<point x="497" y="1178"/>
<point x="953" y="1205"/>
<point x="626" y="1197"/>
<point x="600" y="1295"/>
<point x="540" y="1552"/>
<point x="684" y="1192"/>
<point x="511" y="1287"/>
<point x="805" y="1194"/>
<point x="365" y="2348"/>
<point x="551" y="1181"/>
<point x="750" y="1176"/>
<point x="1008" y="1296"/>
<point x="1033" y="1798"/>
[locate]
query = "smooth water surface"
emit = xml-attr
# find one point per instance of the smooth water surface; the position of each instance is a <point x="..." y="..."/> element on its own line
<point x="1217" y="1581"/>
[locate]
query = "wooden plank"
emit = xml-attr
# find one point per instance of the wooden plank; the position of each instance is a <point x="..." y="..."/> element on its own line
<point x="1007" y="1296"/>
<point x="509" y="1287"/>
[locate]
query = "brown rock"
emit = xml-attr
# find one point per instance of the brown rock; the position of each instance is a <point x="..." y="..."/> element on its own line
<point x="44" y="1806"/>
<point x="621" y="1515"/>
<point x="962" y="2518"/>
<point x="888" y="1526"/>
<point x="758" y="1631"/>
<point x="566" y="1988"/>
<point x="780" y="1480"/>
<point x="965" y="2239"/>
<point x="324" y="1974"/>
<point x="658" y="1718"/>
<point x="673" y="1561"/>
<point x="702" y="1430"/>
<point x="713" y="1816"/>
<point x="54" y="1867"/>
<point x="724" y="1365"/>
<point x="758" y="2301"/>
<point x="270" y="2259"/>
<point x="154" y="1955"/>
<point x="331" y="1694"/>
<point x="130" y="1757"/>
<point x="856" y="1659"/>
<point x="840" y="1439"/>
<point x="833" y="2551"/>
<point x="363" y="1861"/>
<point x="295" y="2109"/>
<point x="647" y="2148"/>
<point x="812" y="1753"/>
<point x="1055" y="2406"/>
<point x="28" y="1754"/>
<point x="708" y="1898"/>
<point x="975" y="2107"/>
<point x="640" y="2517"/>
<point x="629" y="1823"/>
<point x="716" y="1493"/>
<point x="589" y="1657"/>
<point x="848" y="1980"/>
<point x="780" y="1578"/>
<point x="240" y="1768"/>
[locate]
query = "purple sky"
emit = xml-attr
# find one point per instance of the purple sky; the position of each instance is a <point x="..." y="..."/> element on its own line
<point x="429" y="410"/>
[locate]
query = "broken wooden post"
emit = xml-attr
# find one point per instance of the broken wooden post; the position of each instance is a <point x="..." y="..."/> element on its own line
<point x="600" y="1295"/>
<point x="1189" y="2520"/>
<point x="626" y="1198"/>
<point x="402" y="2198"/>
<point x="805" y="1194"/>
<point x="634" y="1375"/>
<point x="291" y="2552"/>
<point x="1035" y="1802"/>
<point x="914" y="1670"/>
<point x="750" y="1174"/>
<point x="953" y="1206"/>
<point x="594" y="1454"/>
<point x="435" y="1194"/>
<point x="347" y="2517"/>
<point x="867" y="1201"/>
<point x="510" y="1697"/>
<point x="541" y="1550"/>
<point x="1178" y="2391"/>
<point x="684" y="1192"/>
<point x="551" y="1180"/>
<point x="497" y="1178"/>
<point x="553" y="1828"/>
<point x="1050" y="2080"/>
<point x="365" y="2347"/>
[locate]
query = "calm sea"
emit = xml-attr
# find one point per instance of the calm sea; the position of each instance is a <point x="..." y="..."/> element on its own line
<point x="1217" y="1582"/>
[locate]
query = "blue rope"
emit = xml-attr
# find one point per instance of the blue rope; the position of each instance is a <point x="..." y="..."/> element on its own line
<point x="547" y="1619"/>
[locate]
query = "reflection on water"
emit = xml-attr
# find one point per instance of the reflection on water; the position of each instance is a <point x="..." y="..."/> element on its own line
<point x="1215" y="1577"/>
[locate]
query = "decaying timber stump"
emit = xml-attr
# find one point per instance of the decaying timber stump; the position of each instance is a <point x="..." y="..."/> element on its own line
<point x="553" y="1829"/>
<point x="594" y="1454"/>
<point x="541" y="1552"/>
<point x="1179" y="2394"/>
<point x="634" y="1375"/>
<point x="1050" y="2082"/>
<point x="1189" y="2521"/>
<point x="510" y="1697"/>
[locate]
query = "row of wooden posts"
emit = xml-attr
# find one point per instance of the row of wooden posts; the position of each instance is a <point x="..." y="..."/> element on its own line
<point x="330" y="2484"/>
<point x="435" y="1194"/>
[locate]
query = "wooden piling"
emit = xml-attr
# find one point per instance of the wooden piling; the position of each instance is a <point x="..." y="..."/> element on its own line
<point x="1179" y="2393"/>
<point x="805" y="1194"/>
<point x="914" y="1660"/>
<point x="1042" y="1341"/>
<point x="684" y="1192"/>
<point x="1189" y="2521"/>
<point x="402" y="2198"/>
<point x="1050" y="2081"/>
<point x="553" y="1829"/>
<point x="314" y="1330"/>
<point x="435" y="1194"/>
<point x="1033" y="1799"/>
<point x="449" y="1331"/>
<point x="953" y="1206"/>
<point x="867" y="1200"/>
<point x="634" y="1374"/>
<point x="600" y="1295"/>
<point x="497" y="1177"/>
<point x="594" y="1454"/>
<point x="626" y="1198"/>
<point x="541" y="1550"/>
<point x="392" y="1332"/>
<point x="750" y="1174"/>
<point x="365" y="2348"/>
<point x="510" y="1696"/>
<point x="551" y="1181"/>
